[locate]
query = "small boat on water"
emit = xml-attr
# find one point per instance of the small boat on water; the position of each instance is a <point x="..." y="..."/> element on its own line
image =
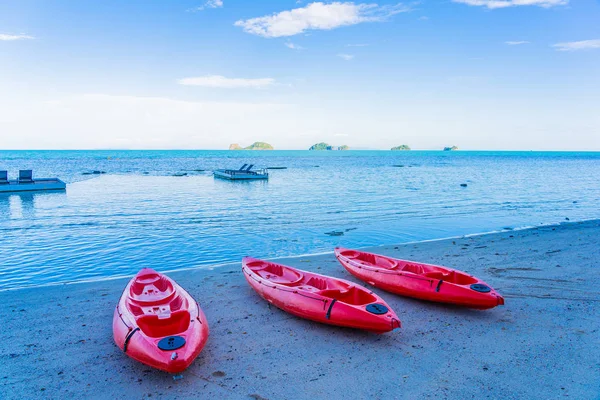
<point x="244" y="173"/>
<point x="26" y="183"/>
<point x="158" y="323"/>
<point x="319" y="298"/>
<point x="418" y="280"/>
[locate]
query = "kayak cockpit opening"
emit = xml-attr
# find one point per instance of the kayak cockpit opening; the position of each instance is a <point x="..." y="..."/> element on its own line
<point x="153" y="326"/>
<point x="370" y="259"/>
<point x="151" y="288"/>
<point x="446" y="275"/>
<point x="451" y="276"/>
<point x="349" y="253"/>
<point x="352" y="295"/>
<point x="276" y="273"/>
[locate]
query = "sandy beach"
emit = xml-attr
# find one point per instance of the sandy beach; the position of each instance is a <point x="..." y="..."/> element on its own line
<point x="544" y="343"/>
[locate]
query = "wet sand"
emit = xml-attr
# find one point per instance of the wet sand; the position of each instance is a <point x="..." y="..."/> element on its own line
<point x="544" y="343"/>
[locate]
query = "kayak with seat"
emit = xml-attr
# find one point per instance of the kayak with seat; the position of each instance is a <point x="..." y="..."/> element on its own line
<point x="319" y="298"/>
<point x="418" y="280"/>
<point x="157" y="323"/>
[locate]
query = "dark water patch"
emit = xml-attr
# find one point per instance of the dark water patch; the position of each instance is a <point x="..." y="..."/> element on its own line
<point x="80" y="224"/>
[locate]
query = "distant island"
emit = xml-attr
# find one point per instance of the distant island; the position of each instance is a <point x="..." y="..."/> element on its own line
<point x="450" y="148"/>
<point x="253" y="146"/>
<point x="325" y="146"/>
<point x="401" y="147"/>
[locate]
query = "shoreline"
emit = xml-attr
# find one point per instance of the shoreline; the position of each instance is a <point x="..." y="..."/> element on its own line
<point x="289" y="257"/>
<point x="60" y="336"/>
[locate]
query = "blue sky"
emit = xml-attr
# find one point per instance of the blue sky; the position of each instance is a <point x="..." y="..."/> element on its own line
<point x="480" y="74"/>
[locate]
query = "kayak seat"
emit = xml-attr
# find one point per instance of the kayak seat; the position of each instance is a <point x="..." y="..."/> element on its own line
<point x="371" y="260"/>
<point x="137" y="308"/>
<point x="176" y="303"/>
<point x="151" y="289"/>
<point x="414" y="268"/>
<point x="279" y="274"/>
<point x="384" y="262"/>
<point x="459" y="278"/>
<point x="350" y="253"/>
<point x="153" y="326"/>
<point x="352" y="295"/>
<point x="318" y="283"/>
<point x="435" y="275"/>
<point x="452" y="277"/>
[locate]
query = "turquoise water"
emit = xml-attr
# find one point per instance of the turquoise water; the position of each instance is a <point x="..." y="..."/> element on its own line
<point x="138" y="214"/>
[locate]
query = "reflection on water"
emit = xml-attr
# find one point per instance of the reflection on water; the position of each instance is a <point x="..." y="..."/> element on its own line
<point x="121" y="221"/>
<point x="22" y="205"/>
<point x="5" y="205"/>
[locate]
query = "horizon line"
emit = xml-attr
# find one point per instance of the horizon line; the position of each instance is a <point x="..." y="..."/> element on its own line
<point x="318" y="151"/>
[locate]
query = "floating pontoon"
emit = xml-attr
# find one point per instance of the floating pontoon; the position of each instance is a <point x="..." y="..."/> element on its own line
<point x="243" y="173"/>
<point x="26" y="183"/>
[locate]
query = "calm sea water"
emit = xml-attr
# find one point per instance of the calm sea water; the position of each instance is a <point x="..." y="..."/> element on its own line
<point x="138" y="214"/>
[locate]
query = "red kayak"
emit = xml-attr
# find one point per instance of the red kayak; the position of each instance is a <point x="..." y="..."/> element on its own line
<point x="158" y="323"/>
<point x="319" y="298"/>
<point x="422" y="281"/>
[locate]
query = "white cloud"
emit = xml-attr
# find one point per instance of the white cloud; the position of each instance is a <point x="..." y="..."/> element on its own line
<point x="346" y="57"/>
<point x="208" y="4"/>
<point x="492" y="4"/>
<point x="218" y="81"/>
<point x="14" y="37"/>
<point x="318" y="16"/>
<point x="516" y="42"/>
<point x="581" y="45"/>
<point x="293" y="46"/>
<point x="357" y="45"/>
<point x="424" y="18"/>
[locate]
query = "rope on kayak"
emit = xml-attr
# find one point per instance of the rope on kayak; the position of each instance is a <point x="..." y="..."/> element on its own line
<point x="128" y="338"/>
<point x="328" y="315"/>
<point x="198" y="307"/>
<point x="121" y="317"/>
